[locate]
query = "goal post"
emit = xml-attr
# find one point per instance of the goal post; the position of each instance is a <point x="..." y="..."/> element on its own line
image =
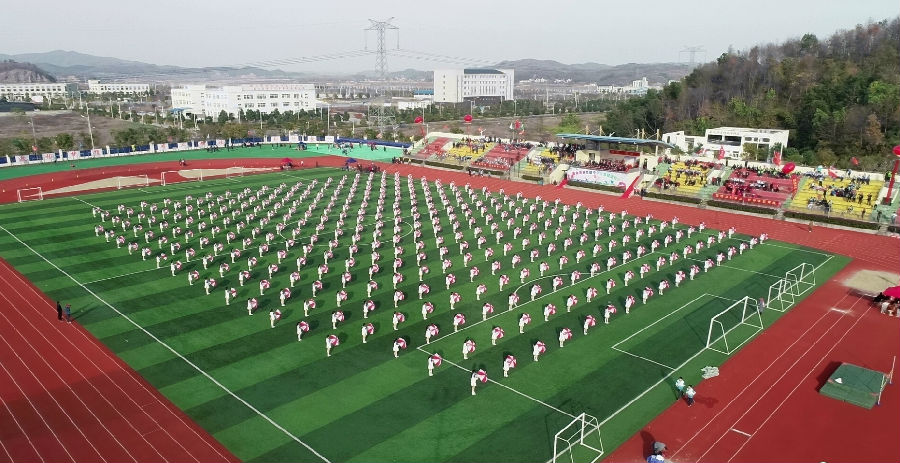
<point x="734" y="326"/>
<point x="196" y="174"/>
<point x="30" y="194"/>
<point x="132" y="180"/>
<point x="579" y="441"/>
<point x="236" y="171"/>
<point x="797" y="281"/>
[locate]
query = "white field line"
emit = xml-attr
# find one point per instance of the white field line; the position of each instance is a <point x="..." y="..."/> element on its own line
<point x="68" y="386"/>
<point x="741" y="432"/>
<point x="660" y="319"/>
<point x="21" y="431"/>
<point x="741" y="393"/>
<point x="642" y="358"/>
<point x="727" y="266"/>
<point x="505" y="386"/>
<point x="133" y="375"/>
<point x="125" y="275"/>
<point x="38" y="413"/>
<point x="801" y="381"/>
<point x="769" y="243"/>
<point x="169" y="348"/>
<point x="82" y="373"/>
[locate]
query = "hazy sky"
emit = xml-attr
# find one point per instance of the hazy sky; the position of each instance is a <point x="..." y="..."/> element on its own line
<point x="229" y="32"/>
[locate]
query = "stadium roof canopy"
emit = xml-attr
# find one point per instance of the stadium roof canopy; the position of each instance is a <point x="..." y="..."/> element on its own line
<point x="615" y="140"/>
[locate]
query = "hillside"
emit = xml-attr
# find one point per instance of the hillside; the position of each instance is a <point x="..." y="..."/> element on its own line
<point x="594" y="72"/>
<point x="84" y="66"/>
<point x="12" y="72"/>
<point x="839" y="96"/>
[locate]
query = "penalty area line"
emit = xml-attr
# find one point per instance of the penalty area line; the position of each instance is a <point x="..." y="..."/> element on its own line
<point x="505" y="386"/>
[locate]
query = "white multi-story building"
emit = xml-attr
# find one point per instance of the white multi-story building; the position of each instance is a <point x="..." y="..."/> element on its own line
<point x="95" y="86"/>
<point x="480" y="85"/>
<point x="203" y="100"/>
<point x="46" y="89"/>
<point x="729" y="139"/>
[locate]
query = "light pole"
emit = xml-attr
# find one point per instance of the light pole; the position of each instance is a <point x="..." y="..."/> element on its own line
<point x="90" y="129"/>
<point x="33" y="135"/>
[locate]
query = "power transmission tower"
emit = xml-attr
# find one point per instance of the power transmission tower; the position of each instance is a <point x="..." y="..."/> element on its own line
<point x="692" y="54"/>
<point x="381" y="115"/>
<point x="381" y="28"/>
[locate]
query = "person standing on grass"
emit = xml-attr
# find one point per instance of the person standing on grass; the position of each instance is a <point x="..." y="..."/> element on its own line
<point x="679" y="386"/>
<point x="689" y="395"/>
<point x="68" y="311"/>
<point x="59" y="311"/>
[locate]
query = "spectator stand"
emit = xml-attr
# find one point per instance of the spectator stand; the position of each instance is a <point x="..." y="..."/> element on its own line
<point x="757" y="186"/>
<point x="853" y="196"/>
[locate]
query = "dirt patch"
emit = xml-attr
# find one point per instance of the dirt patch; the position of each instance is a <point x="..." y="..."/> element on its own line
<point x="111" y="182"/>
<point x="195" y="173"/>
<point x="871" y="281"/>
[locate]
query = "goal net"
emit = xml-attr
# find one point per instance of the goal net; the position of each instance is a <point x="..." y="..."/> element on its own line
<point x="797" y="281"/>
<point x="133" y="180"/>
<point x="734" y="326"/>
<point x="30" y="194"/>
<point x="579" y="441"/>
<point x="234" y="172"/>
<point x="177" y="176"/>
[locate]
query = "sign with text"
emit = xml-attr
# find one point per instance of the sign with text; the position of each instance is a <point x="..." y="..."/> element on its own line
<point x="600" y="177"/>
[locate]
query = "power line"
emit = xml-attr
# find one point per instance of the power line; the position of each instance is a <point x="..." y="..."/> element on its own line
<point x="381" y="28"/>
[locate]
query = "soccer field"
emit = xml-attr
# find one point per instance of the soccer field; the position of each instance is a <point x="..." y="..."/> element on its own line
<point x="268" y="397"/>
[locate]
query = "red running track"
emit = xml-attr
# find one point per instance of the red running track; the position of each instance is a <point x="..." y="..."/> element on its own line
<point x="68" y="398"/>
<point x="71" y="378"/>
<point x="765" y="405"/>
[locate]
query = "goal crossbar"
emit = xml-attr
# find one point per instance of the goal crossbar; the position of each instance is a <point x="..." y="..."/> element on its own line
<point x="30" y="194"/>
<point x="750" y="315"/>
<point x="797" y="281"/>
<point x="132" y="180"/>
<point x="583" y="432"/>
<point x="162" y="176"/>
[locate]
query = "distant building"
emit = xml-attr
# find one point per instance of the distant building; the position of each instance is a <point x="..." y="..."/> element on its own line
<point x="483" y="86"/>
<point x="97" y="87"/>
<point x="729" y="139"/>
<point x="637" y="88"/>
<point x="24" y="91"/>
<point x="203" y="100"/>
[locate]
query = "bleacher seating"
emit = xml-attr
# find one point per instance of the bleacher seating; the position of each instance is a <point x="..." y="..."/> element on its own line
<point x="747" y="186"/>
<point x="813" y="191"/>
<point x="686" y="179"/>
<point x="433" y="148"/>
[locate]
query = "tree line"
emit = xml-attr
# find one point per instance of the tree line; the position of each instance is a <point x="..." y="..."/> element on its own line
<point x="839" y="97"/>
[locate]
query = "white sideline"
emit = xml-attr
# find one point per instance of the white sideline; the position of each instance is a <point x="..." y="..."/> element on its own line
<point x="505" y="386"/>
<point x="169" y="348"/>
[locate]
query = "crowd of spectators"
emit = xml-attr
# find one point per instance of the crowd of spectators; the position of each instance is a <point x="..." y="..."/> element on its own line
<point x="741" y="187"/>
<point x="613" y="165"/>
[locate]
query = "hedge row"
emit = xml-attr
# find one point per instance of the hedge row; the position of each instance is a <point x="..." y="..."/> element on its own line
<point x="446" y="166"/>
<point x="532" y="178"/>
<point x="594" y="186"/>
<point x="742" y="207"/>
<point x="832" y="220"/>
<point x="684" y="199"/>
<point x="894" y="228"/>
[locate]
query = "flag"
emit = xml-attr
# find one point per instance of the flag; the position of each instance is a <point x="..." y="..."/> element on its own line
<point x="854" y="161"/>
<point x="831" y="172"/>
<point x="777" y="158"/>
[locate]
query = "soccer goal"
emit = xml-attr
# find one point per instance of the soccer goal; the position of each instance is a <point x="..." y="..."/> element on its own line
<point x="187" y="175"/>
<point x="234" y="172"/>
<point x="732" y="327"/>
<point x="30" y="194"/>
<point x="797" y="281"/>
<point x="579" y="441"/>
<point x="133" y="180"/>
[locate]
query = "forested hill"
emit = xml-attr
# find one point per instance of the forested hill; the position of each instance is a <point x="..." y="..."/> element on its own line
<point x="839" y="96"/>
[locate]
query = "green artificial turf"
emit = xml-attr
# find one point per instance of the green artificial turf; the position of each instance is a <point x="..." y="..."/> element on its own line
<point x="361" y="404"/>
<point x="264" y="151"/>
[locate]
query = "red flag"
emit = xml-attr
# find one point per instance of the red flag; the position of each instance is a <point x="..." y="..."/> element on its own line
<point x="776" y="159"/>
<point x="831" y="172"/>
<point x="721" y="152"/>
<point x="854" y="161"/>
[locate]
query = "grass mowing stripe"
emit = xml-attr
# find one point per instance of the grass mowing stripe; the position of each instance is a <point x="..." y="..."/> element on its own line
<point x="213" y="380"/>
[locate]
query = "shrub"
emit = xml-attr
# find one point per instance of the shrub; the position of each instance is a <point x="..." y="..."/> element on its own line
<point x="832" y="220"/>
<point x="683" y="199"/>
<point x="742" y="207"/>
